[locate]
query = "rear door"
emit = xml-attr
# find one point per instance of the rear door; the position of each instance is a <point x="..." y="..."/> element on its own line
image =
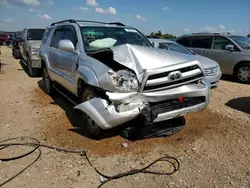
<point x="54" y="52"/>
<point x="202" y="45"/>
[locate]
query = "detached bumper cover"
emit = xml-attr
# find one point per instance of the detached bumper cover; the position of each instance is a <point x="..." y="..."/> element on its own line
<point x="125" y="107"/>
<point x="106" y="115"/>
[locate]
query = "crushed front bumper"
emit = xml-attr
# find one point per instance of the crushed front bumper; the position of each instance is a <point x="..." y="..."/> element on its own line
<point x="154" y="106"/>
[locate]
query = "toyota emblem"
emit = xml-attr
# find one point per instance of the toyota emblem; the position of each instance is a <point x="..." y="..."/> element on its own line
<point x="175" y="75"/>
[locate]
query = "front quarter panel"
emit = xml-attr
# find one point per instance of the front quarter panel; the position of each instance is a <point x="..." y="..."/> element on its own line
<point x="94" y="73"/>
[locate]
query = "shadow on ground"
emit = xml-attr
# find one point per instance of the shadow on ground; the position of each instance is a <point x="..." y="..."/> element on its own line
<point x="134" y="130"/>
<point x="229" y="78"/>
<point x="241" y="104"/>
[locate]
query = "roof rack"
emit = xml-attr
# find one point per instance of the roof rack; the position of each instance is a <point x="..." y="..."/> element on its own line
<point x="206" y="33"/>
<point x="74" y="21"/>
<point x="63" y="21"/>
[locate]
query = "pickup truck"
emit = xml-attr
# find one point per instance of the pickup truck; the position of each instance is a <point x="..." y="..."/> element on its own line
<point x="117" y="75"/>
<point x="29" y="49"/>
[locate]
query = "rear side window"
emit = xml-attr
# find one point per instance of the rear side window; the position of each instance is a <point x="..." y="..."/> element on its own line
<point x="57" y="36"/>
<point x="202" y="42"/>
<point x="185" y="41"/>
<point x="46" y="35"/>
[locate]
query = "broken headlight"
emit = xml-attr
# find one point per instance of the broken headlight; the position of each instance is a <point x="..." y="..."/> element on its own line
<point x="124" y="80"/>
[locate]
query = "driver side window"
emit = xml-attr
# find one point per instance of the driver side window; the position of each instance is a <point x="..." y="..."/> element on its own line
<point x="70" y="34"/>
<point x="57" y="36"/>
<point x="220" y="43"/>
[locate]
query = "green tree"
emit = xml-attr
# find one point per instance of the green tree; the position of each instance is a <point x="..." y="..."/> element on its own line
<point x="160" y="35"/>
<point x="248" y="35"/>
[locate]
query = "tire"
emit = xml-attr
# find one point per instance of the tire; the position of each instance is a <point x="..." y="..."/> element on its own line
<point x="48" y="87"/>
<point x="16" y="53"/>
<point x="31" y="71"/>
<point x="242" y="73"/>
<point x="89" y="124"/>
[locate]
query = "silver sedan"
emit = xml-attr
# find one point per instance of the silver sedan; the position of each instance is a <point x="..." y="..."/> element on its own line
<point x="212" y="68"/>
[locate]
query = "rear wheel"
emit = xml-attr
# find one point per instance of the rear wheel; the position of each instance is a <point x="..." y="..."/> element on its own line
<point x="16" y="53"/>
<point x="31" y="71"/>
<point x="242" y="73"/>
<point x="91" y="126"/>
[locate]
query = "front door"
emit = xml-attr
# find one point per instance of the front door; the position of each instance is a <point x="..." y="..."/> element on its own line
<point x="68" y="60"/>
<point x="224" y="57"/>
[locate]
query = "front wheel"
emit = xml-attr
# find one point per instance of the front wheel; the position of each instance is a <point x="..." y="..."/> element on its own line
<point x="242" y="73"/>
<point x="47" y="82"/>
<point x="31" y="71"/>
<point x="91" y="126"/>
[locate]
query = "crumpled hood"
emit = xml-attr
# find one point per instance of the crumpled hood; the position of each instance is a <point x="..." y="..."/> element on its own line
<point x="139" y="58"/>
<point x="206" y="62"/>
<point x="34" y="43"/>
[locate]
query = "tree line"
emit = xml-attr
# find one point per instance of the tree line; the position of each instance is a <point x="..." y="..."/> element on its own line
<point x="160" y="35"/>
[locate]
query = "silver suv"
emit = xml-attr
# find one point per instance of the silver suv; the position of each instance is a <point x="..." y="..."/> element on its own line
<point x="230" y="51"/>
<point x="117" y="75"/>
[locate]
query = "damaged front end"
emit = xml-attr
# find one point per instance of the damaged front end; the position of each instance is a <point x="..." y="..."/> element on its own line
<point x="163" y="88"/>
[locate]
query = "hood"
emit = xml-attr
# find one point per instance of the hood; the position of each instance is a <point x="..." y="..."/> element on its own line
<point x="139" y="58"/>
<point x="206" y="62"/>
<point x="34" y="43"/>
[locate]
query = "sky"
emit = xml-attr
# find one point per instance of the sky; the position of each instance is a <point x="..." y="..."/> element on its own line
<point x="176" y="17"/>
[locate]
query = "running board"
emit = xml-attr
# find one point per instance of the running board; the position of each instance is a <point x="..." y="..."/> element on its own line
<point x="65" y="94"/>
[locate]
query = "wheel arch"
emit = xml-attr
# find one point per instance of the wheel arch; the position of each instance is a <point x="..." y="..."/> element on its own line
<point x="239" y="64"/>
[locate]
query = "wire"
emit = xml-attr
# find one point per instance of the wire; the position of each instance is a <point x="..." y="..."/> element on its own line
<point x="35" y="145"/>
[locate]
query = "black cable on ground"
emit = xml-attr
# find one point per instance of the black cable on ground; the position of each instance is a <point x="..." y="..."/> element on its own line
<point x="35" y="145"/>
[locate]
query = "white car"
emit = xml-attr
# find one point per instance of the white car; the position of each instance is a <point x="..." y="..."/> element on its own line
<point x="212" y="68"/>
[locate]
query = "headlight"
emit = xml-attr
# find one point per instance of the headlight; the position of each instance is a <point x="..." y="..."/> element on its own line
<point x="34" y="51"/>
<point x="124" y="80"/>
<point x="212" y="71"/>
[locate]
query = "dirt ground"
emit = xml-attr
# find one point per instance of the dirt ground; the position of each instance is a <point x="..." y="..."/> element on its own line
<point x="213" y="147"/>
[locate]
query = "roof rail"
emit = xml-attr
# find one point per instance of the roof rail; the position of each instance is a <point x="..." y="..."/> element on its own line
<point x="70" y="21"/>
<point x="74" y="21"/>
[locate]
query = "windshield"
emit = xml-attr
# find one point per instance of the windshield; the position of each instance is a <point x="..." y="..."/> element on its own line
<point x="174" y="47"/>
<point x="243" y="42"/>
<point x="35" y="34"/>
<point x="18" y="34"/>
<point x="96" y="38"/>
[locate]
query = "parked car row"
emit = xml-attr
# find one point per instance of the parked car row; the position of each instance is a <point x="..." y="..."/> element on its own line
<point x="230" y="51"/>
<point x="114" y="74"/>
<point x="5" y="38"/>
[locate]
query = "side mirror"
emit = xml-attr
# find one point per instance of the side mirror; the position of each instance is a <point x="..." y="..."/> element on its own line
<point x="67" y="46"/>
<point x="229" y="47"/>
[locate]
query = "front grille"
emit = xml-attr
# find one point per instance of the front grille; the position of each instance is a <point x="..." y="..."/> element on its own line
<point x="165" y="74"/>
<point x="178" y="82"/>
<point x="163" y="80"/>
<point x="171" y="105"/>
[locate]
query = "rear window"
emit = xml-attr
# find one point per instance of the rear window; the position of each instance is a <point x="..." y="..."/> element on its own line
<point x="185" y="41"/>
<point x="202" y="42"/>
